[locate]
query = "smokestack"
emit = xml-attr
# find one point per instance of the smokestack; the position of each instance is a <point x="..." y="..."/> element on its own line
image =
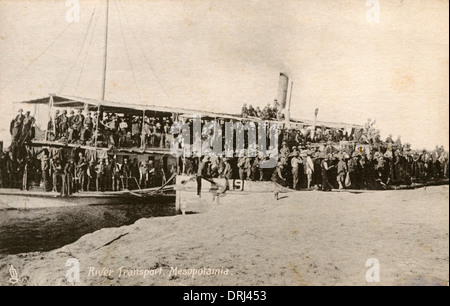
<point x="282" y="90"/>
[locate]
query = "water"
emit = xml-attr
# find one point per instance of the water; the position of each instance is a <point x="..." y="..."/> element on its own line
<point x="48" y="229"/>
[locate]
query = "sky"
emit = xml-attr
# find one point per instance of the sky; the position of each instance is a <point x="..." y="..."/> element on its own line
<point x="217" y="55"/>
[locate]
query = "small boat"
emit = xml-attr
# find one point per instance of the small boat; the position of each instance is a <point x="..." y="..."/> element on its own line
<point x="20" y="199"/>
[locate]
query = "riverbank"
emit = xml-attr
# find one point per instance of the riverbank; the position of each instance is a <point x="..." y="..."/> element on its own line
<point x="304" y="238"/>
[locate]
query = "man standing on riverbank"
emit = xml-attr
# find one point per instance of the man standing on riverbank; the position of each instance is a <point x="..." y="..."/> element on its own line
<point x="295" y="165"/>
<point x="203" y="172"/>
<point x="342" y="171"/>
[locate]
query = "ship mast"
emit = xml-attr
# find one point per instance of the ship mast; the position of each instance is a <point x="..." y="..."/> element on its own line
<point x="105" y="56"/>
<point x="105" y="61"/>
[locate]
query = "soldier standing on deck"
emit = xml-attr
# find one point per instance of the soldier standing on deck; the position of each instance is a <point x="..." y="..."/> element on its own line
<point x="80" y="169"/>
<point x="56" y="124"/>
<point x="91" y="175"/>
<point x="100" y="175"/>
<point x="295" y="165"/>
<point x="326" y="186"/>
<point x="309" y="168"/>
<point x="63" y="124"/>
<point x="108" y="174"/>
<point x="117" y="173"/>
<point x="45" y="168"/>
<point x="69" y="172"/>
<point x="57" y="172"/>
<point x="342" y="170"/>
<point x="202" y="172"/>
<point x="125" y="173"/>
<point x="27" y="129"/>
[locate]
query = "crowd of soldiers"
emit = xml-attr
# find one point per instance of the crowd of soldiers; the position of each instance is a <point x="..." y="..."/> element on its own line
<point x="22" y="128"/>
<point x="78" y="173"/>
<point x="328" y="167"/>
<point x="112" y="130"/>
<point x="306" y="158"/>
<point x="267" y="113"/>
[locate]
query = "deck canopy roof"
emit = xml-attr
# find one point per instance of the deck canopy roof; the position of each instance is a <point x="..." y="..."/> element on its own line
<point x="64" y="101"/>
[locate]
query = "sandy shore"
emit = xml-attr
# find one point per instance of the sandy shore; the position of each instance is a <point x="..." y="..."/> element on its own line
<point x="305" y="238"/>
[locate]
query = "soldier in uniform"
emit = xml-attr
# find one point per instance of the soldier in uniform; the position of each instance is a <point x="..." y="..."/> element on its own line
<point x="295" y="165"/>
<point x="203" y="171"/>
<point x="308" y="168"/>
<point x="100" y="175"/>
<point x="57" y="172"/>
<point x="284" y="151"/>
<point x="143" y="174"/>
<point x="69" y="173"/>
<point x="244" y="111"/>
<point x="279" y="175"/>
<point x="251" y="111"/>
<point x="27" y="130"/>
<point x="56" y="124"/>
<point x="81" y="168"/>
<point x="125" y="173"/>
<point x="45" y="168"/>
<point x="77" y="123"/>
<point x="117" y="173"/>
<point x="227" y="171"/>
<point x="241" y="164"/>
<point x="325" y="167"/>
<point x="108" y="178"/>
<point x="16" y="131"/>
<point x="342" y="170"/>
<point x="91" y="175"/>
<point x="63" y="124"/>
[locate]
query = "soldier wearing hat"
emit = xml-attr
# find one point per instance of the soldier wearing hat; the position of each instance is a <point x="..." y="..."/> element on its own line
<point x="57" y="170"/>
<point x="16" y="128"/>
<point x="296" y="161"/>
<point x="244" y="111"/>
<point x="245" y="168"/>
<point x="16" y="125"/>
<point x="100" y="175"/>
<point x="251" y="111"/>
<point x="279" y="175"/>
<point x="354" y="170"/>
<point x="143" y="174"/>
<point x="68" y="177"/>
<point x="45" y="169"/>
<point x="203" y="172"/>
<point x="308" y="165"/>
<point x="27" y="132"/>
<point x="91" y="175"/>
<point x="63" y="124"/>
<point x="81" y="172"/>
<point x="257" y="171"/>
<point x="284" y="151"/>
<point x="56" y="122"/>
<point x="325" y="167"/>
<point x="342" y="170"/>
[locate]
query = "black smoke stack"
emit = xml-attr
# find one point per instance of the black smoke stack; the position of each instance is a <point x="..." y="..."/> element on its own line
<point x="282" y="90"/>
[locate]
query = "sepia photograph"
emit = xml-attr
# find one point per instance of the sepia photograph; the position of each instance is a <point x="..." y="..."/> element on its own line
<point x="195" y="143"/>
